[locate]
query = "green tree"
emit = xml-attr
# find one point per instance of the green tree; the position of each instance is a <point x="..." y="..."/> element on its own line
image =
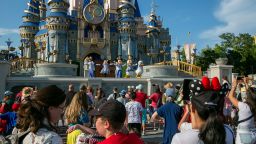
<point x="241" y="51"/>
<point x="206" y="57"/>
<point x="183" y="56"/>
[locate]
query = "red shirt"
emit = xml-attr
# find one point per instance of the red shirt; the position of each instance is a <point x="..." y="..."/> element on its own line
<point x="120" y="138"/>
<point x="154" y="97"/>
<point x="141" y="98"/>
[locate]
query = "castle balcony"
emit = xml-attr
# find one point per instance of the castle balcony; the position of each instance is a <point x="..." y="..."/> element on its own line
<point x="100" y="42"/>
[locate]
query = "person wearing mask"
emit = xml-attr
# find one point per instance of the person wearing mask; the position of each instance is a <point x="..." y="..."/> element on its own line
<point x="246" y="131"/>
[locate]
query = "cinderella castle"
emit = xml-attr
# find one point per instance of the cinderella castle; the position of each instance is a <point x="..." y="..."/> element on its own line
<point x="104" y="29"/>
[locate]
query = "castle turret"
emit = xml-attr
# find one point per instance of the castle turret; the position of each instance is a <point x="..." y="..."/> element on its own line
<point x="42" y="8"/>
<point x="29" y="28"/>
<point x="127" y="29"/>
<point x="57" y="25"/>
<point x="153" y="32"/>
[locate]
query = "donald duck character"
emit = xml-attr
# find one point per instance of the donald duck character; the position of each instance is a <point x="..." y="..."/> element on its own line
<point x="139" y="69"/>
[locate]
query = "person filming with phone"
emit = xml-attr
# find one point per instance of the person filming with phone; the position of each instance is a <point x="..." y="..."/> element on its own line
<point x="246" y="131"/>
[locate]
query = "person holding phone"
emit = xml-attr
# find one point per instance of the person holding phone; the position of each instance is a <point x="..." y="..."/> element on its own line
<point x="246" y="131"/>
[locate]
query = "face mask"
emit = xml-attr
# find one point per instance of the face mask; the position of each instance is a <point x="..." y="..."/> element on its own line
<point x="243" y="95"/>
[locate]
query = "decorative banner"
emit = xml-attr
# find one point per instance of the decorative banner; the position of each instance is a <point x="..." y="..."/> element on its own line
<point x="187" y="52"/>
<point x="190" y="50"/>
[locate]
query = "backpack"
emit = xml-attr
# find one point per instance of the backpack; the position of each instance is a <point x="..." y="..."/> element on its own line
<point x="16" y="138"/>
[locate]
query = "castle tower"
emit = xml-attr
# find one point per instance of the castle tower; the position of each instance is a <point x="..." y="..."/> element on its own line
<point x="57" y="25"/>
<point x="127" y="29"/>
<point x="153" y="32"/>
<point x="29" y="28"/>
<point x="42" y="8"/>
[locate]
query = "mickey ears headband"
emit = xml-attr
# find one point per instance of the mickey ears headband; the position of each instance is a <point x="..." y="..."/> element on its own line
<point x="197" y="86"/>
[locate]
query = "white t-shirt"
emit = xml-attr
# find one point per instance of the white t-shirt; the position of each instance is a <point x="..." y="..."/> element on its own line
<point x="191" y="136"/>
<point x="43" y="136"/>
<point x="134" y="109"/>
<point x="185" y="126"/>
<point x="243" y="113"/>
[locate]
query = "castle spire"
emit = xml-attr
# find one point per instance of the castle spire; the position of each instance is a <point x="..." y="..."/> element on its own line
<point x="57" y="25"/>
<point x="153" y="7"/>
<point x="29" y="28"/>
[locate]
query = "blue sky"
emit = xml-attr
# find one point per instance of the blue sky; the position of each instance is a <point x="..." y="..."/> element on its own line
<point x="204" y="19"/>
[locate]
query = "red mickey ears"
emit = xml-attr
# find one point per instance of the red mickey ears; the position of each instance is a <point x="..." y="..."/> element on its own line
<point x="206" y="83"/>
<point x="215" y="85"/>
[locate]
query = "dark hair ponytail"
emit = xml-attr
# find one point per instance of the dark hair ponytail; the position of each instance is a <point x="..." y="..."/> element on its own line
<point x="213" y="131"/>
<point x="33" y="111"/>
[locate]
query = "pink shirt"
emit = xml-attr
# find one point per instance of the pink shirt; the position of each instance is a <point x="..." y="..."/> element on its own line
<point x="154" y="97"/>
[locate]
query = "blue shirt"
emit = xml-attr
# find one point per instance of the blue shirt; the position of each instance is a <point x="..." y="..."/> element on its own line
<point x="10" y="117"/>
<point x="82" y="119"/>
<point x="171" y="112"/>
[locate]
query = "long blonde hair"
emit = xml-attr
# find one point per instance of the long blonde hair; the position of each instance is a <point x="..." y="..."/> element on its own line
<point x="78" y="104"/>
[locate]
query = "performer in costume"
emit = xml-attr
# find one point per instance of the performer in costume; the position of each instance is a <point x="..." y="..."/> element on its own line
<point x="91" y="68"/>
<point x="129" y="70"/>
<point x="119" y="66"/>
<point x="139" y="69"/>
<point x="105" y="69"/>
<point x="86" y="66"/>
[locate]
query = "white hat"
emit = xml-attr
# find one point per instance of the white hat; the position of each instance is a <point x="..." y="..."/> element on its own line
<point x="8" y="93"/>
<point x="139" y="87"/>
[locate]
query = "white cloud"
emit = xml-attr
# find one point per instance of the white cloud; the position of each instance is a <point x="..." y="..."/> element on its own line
<point x="4" y="31"/>
<point x="3" y="47"/>
<point x="237" y="16"/>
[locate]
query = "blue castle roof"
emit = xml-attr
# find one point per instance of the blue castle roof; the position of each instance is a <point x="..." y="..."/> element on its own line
<point x="137" y="11"/>
<point x="152" y="23"/>
<point x="41" y="32"/>
<point x="29" y="24"/>
<point x="42" y="23"/>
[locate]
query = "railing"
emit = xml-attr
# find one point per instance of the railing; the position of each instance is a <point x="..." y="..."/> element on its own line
<point x="23" y="64"/>
<point x="184" y="67"/>
<point x="190" y="69"/>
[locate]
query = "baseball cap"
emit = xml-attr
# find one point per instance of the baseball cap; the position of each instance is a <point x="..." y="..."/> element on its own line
<point x="8" y="93"/>
<point x="170" y="92"/>
<point x="123" y="92"/>
<point x="113" y="110"/>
